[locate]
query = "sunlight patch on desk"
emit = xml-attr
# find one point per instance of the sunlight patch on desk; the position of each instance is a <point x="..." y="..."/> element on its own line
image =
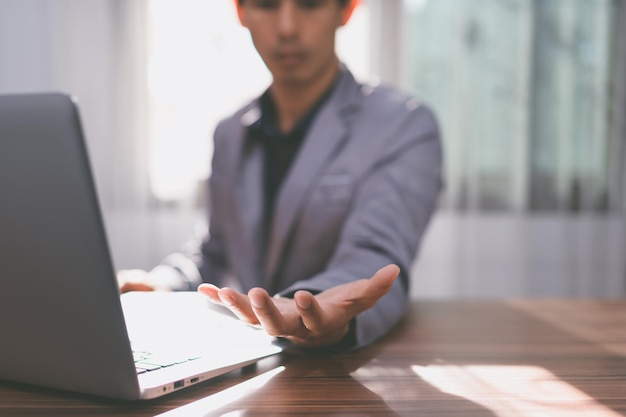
<point x="212" y="404"/>
<point x="375" y="377"/>
<point x="513" y="390"/>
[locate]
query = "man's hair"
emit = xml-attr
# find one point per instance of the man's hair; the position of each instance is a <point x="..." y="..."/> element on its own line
<point x="342" y="3"/>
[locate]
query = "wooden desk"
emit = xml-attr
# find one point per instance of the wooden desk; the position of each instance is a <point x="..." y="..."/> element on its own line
<point x="457" y="358"/>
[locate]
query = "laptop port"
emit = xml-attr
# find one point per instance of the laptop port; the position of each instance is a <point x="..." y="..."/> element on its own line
<point x="179" y="384"/>
<point x="194" y="380"/>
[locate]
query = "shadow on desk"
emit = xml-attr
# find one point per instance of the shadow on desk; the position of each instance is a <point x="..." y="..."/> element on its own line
<point x="322" y="386"/>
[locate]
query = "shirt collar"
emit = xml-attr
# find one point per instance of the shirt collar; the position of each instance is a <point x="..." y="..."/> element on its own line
<point x="267" y="123"/>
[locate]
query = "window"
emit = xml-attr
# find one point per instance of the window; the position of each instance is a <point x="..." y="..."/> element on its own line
<point x="522" y="89"/>
<point x="202" y="66"/>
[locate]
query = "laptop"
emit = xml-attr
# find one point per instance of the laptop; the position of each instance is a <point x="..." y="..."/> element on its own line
<point x="63" y="323"/>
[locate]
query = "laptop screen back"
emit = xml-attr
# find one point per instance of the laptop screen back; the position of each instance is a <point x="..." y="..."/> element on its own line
<point x="60" y="315"/>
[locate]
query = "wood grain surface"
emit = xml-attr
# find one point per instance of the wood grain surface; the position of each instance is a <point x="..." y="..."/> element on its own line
<point x="447" y="358"/>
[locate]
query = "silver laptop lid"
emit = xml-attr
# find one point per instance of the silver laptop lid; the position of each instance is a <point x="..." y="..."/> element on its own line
<point x="60" y="315"/>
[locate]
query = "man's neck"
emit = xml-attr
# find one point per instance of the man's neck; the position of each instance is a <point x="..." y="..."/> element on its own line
<point x="293" y="101"/>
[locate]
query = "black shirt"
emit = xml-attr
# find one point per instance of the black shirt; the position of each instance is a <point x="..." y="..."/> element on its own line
<point x="279" y="149"/>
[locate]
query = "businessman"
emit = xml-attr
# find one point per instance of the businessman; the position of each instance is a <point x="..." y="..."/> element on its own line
<point x="321" y="190"/>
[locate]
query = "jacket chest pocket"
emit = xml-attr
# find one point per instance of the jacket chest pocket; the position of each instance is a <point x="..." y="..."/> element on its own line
<point x="332" y="191"/>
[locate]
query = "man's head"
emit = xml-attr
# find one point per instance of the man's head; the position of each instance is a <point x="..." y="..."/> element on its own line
<point x="295" y="38"/>
<point x="342" y="3"/>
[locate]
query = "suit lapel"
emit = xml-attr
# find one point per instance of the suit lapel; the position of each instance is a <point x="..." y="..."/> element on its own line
<point x="327" y="132"/>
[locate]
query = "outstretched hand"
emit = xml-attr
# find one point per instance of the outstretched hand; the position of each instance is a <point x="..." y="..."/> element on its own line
<point x="307" y="319"/>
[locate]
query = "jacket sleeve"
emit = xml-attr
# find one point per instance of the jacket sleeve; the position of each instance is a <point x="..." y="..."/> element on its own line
<point x="392" y="205"/>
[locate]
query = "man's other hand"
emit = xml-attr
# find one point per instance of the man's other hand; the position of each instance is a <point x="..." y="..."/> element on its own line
<point x="133" y="280"/>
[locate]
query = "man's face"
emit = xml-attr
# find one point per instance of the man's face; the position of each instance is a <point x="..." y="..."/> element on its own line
<point x="295" y="38"/>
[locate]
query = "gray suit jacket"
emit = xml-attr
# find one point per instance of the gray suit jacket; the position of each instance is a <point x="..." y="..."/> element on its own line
<point x="358" y="196"/>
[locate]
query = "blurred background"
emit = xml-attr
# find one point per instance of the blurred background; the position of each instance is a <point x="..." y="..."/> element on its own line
<point x="530" y="95"/>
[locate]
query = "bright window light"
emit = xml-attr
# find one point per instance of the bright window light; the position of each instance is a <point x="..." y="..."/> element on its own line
<point x="201" y="67"/>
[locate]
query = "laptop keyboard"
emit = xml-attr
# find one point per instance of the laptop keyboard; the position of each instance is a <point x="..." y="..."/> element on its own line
<point x="147" y="361"/>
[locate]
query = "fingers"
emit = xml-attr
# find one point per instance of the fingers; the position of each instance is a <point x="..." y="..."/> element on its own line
<point x="270" y="317"/>
<point x="357" y="296"/>
<point x="322" y="327"/>
<point x="238" y="303"/>
<point x="380" y="283"/>
<point x="377" y="286"/>
<point x="255" y="308"/>
<point x="210" y="291"/>
<point x="310" y="310"/>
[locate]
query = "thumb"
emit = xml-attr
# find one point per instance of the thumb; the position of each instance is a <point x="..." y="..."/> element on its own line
<point x="381" y="282"/>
